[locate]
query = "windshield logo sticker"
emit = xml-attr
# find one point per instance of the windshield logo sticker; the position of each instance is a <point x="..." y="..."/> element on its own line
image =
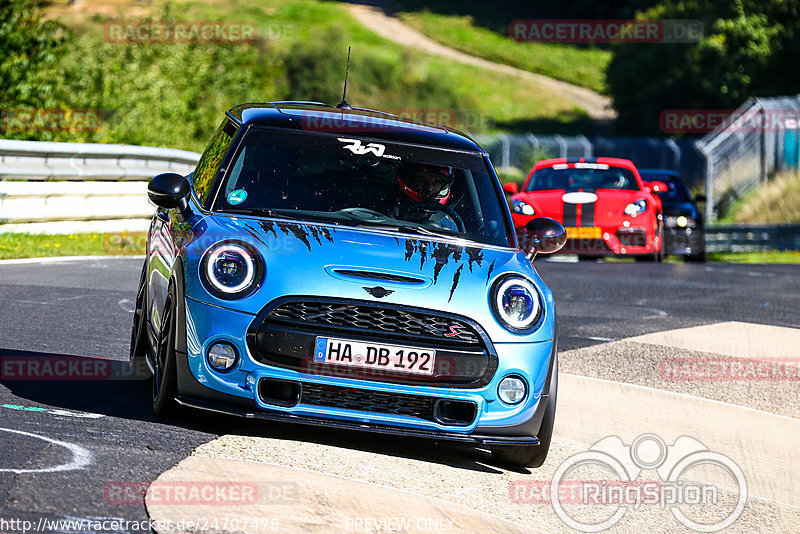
<point x="358" y="149"/>
<point x="237" y="197"/>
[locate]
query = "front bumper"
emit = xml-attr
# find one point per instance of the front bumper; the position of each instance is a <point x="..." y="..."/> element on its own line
<point x="615" y="240"/>
<point x="637" y="238"/>
<point x="684" y="241"/>
<point x="237" y="392"/>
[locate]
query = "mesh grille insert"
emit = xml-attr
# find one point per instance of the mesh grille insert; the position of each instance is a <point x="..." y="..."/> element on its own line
<point x="364" y="318"/>
<point x="367" y="401"/>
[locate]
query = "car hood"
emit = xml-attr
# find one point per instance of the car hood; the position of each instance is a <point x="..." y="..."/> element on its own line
<point x="605" y="204"/>
<point x="680" y="208"/>
<point x="344" y="262"/>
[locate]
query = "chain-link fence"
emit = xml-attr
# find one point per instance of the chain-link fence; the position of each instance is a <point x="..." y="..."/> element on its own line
<point x="758" y="139"/>
<point x="518" y="153"/>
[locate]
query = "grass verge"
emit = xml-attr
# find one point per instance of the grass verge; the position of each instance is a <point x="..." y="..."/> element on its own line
<point x="776" y="202"/>
<point x="579" y="66"/>
<point x="13" y="246"/>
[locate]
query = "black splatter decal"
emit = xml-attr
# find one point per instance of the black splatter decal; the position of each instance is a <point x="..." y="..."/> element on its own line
<point x="269" y="227"/>
<point x="422" y="247"/>
<point x="456" y="278"/>
<point x="252" y="232"/>
<point x="475" y="256"/>
<point x="489" y="274"/>
<point x="441" y="253"/>
<point x="410" y="248"/>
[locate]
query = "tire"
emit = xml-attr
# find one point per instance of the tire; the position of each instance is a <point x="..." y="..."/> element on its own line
<point x="165" y="377"/>
<point x="695" y="258"/>
<point x="139" y="340"/>
<point x="532" y="456"/>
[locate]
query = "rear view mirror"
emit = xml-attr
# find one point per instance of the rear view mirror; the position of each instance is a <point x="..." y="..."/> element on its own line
<point x="168" y="190"/>
<point x="544" y="235"/>
<point x="511" y="188"/>
<point x="657" y="187"/>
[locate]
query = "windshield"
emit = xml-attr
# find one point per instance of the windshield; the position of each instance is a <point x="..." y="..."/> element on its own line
<point x="677" y="191"/>
<point x="364" y="183"/>
<point x="582" y="176"/>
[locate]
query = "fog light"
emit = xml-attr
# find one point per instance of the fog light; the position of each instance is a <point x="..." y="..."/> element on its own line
<point x="511" y="390"/>
<point x="221" y="356"/>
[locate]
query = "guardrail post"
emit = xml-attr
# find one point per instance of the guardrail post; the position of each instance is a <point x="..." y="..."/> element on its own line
<point x="763" y="141"/>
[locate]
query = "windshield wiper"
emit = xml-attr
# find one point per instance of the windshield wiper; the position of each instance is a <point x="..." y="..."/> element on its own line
<point x="259" y="212"/>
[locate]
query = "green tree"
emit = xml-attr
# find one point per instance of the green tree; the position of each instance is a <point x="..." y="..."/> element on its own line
<point x="29" y="51"/>
<point x="749" y="48"/>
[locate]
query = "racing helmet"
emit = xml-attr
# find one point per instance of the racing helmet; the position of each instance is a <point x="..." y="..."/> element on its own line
<point x="425" y="183"/>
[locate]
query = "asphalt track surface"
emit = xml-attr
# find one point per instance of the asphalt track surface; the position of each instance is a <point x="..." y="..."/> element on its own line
<point x="82" y="309"/>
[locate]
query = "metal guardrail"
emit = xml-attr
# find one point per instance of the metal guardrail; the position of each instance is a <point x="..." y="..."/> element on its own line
<point x="37" y="160"/>
<point x="67" y="187"/>
<point x="752" y="237"/>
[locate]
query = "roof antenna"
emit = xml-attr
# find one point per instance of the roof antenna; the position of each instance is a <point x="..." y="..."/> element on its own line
<point x="343" y="104"/>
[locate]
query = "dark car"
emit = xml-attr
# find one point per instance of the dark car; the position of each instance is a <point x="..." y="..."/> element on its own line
<point x="684" y="232"/>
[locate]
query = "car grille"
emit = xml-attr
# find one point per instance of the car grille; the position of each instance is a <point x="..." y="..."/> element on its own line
<point x="364" y="400"/>
<point x="367" y="319"/>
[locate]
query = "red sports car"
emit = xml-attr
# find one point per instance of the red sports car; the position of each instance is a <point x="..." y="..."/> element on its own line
<point x="603" y="203"/>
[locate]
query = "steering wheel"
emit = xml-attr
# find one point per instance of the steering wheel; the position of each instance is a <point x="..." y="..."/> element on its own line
<point x="431" y="207"/>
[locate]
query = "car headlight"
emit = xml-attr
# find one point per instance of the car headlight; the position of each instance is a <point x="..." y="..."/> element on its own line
<point x="681" y="221"/>
<point x="634" y="208"/>
<point x="523" y="208"/>
<point x="516" y="304"/>
<point x="231" y="270"/>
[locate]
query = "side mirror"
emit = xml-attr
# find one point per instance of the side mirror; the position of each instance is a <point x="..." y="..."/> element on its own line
<point x="700" y="198"/>
<point x="168" y="190"/>
<point x="544" y="235"/>
<point x="657" y="187"/>
<point x="511" y="188"/>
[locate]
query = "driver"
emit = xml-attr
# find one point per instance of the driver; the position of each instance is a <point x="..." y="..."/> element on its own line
<point x="423" y="192"/>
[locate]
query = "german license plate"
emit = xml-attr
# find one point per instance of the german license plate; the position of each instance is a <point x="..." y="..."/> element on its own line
<point x="395" y="358"/>
<point x="584" y="232"/>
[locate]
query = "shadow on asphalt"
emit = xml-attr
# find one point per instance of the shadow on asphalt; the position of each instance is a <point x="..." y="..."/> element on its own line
<point x="107" y="387"/>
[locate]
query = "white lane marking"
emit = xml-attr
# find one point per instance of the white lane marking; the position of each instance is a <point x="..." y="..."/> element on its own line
<point x="656" y="313"/>
<point x="81" y="457"/>
<point x="59" y="259"/>
<point x="123" y="303"/>
<point x="57" y="299"/>
<point x="596" y="338"/>
<point x="65" y="413"/>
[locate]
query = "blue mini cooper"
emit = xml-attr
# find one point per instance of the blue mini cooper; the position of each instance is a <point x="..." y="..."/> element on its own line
<point x="347" y="268"/>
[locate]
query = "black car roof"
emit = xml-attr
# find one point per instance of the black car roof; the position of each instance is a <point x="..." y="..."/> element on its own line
<point x="315" y="116"/>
